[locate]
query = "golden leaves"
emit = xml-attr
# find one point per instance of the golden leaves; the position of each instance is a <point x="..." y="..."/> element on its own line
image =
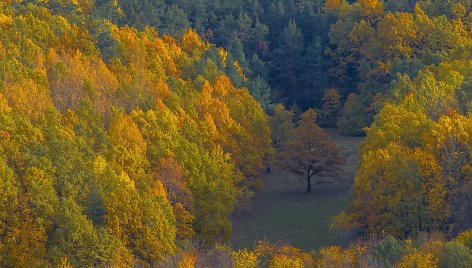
<point x="28" y="97"/>
<point x="371" y="7"/>
<point x="193" y="44"/>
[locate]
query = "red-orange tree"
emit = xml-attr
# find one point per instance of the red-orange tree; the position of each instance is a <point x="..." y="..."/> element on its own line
<point x="309" y="152"/>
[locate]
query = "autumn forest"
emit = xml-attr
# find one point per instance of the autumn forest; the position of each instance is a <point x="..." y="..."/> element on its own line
<point x="180" y="133"/>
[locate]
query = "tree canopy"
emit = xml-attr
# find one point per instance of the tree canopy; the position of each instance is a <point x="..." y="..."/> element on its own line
<point x="308" y="151"/>
<point x="117" y="144"/>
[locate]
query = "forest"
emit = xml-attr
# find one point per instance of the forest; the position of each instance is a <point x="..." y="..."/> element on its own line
<point x="155" y="133"/>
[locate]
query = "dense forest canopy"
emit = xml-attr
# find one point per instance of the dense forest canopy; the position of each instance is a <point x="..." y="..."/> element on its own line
<point x="131" y="130"/>
<point x="117" y="143"/>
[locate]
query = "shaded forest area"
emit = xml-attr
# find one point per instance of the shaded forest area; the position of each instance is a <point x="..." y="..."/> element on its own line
<point x="294" y="51"/>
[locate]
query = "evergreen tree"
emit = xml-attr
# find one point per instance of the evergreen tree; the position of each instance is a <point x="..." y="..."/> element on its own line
<point x="314" y="76"/>
<point x="285" y="60"/>
<point x="260" y="90"/>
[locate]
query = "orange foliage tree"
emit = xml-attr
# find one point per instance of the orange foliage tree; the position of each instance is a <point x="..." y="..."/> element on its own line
<point x="309" y="152"/>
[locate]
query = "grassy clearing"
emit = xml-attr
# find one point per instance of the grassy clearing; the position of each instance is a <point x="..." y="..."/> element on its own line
<point x="282" y="212"/>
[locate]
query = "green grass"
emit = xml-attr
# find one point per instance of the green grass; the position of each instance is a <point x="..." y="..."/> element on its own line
<point x="283" y="212"/>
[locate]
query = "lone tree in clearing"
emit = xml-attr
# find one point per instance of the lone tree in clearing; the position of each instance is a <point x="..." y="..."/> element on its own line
<point x="309" y="152"/>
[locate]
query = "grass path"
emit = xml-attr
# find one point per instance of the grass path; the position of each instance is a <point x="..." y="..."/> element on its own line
<point x="282" y="212"/>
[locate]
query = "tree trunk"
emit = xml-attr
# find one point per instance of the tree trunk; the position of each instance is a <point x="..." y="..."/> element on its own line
<point x="308" y="185"/>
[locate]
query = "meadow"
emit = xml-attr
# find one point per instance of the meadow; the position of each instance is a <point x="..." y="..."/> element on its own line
<point x="282" y="211"/>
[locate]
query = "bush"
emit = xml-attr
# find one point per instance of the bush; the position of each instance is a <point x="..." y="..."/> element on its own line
<point x="355" y="116"/>
<point x="455" y="255"/>
<point x="388" y="251"/>
<point x="465" y="238"/>
<point x="245" y="259"/>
